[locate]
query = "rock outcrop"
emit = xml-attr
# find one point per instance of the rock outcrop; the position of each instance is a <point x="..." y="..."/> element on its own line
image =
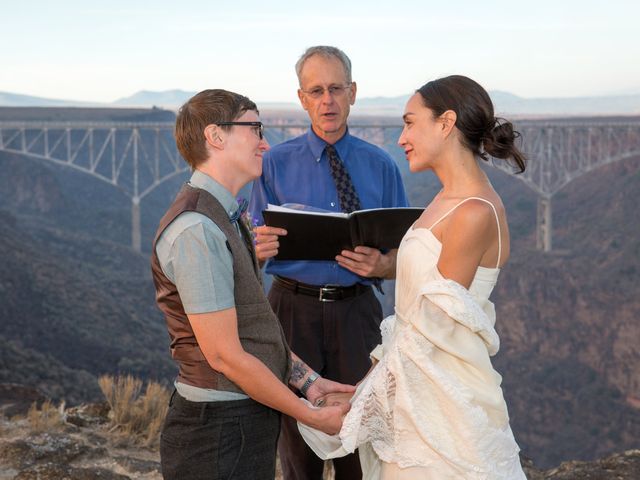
<point x="82" y="445"/>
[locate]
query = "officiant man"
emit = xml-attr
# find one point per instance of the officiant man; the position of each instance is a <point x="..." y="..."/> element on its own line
<point x="328" y="310"/>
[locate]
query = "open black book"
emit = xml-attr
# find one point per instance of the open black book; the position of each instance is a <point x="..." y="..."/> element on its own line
<point x="314" y="235"/>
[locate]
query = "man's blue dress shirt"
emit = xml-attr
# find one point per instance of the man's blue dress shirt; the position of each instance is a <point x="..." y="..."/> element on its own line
<point x="297" y="171"/>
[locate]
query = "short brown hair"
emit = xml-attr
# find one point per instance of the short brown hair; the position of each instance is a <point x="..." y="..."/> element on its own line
<point x="206" y="108"/>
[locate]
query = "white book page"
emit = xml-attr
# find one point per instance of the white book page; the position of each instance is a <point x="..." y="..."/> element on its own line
<point x="280" y="208"/>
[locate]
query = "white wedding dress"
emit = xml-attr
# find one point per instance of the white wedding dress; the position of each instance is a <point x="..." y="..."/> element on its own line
<point x="432" y="407"/>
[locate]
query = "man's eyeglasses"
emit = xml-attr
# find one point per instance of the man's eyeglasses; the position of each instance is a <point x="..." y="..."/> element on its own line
<point x="334" y="91"/>
<point x="257" y="125"/>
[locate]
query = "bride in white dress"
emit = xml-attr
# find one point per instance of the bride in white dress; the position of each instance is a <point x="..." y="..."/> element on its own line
<point x="432" y="407"/>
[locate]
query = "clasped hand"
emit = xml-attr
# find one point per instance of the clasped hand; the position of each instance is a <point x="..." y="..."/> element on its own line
<point x="334" y="399"/>
<point x="330" y="419"/>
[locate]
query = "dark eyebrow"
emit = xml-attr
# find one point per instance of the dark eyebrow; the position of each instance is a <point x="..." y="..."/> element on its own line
<point x="404" y="117"/>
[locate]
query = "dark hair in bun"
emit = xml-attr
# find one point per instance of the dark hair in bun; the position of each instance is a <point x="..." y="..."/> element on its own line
<point x="482" y="132"/>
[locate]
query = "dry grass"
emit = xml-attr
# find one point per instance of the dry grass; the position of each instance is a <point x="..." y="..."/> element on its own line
<point x="135" y="415"/>
<point x="46" y="418"/>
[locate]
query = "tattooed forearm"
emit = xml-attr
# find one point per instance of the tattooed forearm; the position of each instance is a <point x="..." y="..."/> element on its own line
<point x="298" y="371"/>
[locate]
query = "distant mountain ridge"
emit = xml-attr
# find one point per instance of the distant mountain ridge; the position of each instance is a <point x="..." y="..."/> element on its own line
<point x="506" y="103"/>
<point x="8" y="99"/>
<point x="173" y="97"/>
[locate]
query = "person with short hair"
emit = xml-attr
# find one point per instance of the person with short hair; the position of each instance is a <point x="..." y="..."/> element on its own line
<point x="234" y="362"/>
<point x="328" y="309"/>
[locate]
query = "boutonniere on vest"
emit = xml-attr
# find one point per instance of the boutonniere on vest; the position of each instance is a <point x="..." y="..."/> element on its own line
<point x="245" y="216"/>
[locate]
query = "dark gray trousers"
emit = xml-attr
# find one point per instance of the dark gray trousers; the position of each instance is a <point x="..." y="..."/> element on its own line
<point x="219" y="440"/>
<point x="335" y="339"/>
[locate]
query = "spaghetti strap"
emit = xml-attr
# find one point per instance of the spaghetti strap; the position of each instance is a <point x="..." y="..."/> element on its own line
<point x="495" y="212"/>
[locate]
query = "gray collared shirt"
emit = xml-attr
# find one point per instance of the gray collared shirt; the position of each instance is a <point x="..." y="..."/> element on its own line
<point x="193" y="254"/>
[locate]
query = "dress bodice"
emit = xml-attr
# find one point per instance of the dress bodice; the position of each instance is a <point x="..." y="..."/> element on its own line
<point x="416" y="265"/>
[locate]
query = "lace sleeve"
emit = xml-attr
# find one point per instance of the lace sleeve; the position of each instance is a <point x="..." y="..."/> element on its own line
<point x="386" y="329"/>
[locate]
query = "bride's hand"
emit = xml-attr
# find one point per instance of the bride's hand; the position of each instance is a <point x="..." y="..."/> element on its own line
<point x="323" y="387"/>
<point x="333" y="399"/>
<point x="329" y="420"/>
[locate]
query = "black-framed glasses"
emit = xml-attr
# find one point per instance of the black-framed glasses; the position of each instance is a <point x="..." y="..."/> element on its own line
<point x="334" y="91"/>
<point x="257" y="125"/>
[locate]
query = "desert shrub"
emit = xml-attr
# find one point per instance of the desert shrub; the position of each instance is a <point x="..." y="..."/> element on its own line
<point x="136" y="415"/>
<point x="47" y="418"/>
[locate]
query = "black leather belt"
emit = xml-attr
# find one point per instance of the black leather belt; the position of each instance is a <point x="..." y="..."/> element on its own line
<point x="324" y="293"/>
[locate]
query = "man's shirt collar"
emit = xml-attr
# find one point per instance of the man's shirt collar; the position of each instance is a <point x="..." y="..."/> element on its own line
<point x="317" y="144"/>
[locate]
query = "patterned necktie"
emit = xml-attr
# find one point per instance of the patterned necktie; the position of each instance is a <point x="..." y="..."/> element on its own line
<point x="349" y="200"/>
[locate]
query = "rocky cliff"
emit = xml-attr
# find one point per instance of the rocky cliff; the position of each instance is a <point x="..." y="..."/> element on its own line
<point x="80" y="443"/>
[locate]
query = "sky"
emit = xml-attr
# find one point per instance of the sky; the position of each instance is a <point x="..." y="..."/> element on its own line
<point x="102" y="51"/>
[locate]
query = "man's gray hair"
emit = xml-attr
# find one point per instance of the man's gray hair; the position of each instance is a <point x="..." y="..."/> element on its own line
<point x="326" y="52"/>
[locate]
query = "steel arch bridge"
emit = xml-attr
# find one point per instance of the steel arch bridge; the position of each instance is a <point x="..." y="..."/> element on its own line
<point x="138" y="157"/>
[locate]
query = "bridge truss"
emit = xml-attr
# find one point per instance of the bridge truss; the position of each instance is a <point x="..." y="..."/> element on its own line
<point x="137" y="158"/>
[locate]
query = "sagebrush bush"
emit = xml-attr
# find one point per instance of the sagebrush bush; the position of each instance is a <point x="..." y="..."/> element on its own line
<point x="137" y="416"/>
<point x="46" y="418"/>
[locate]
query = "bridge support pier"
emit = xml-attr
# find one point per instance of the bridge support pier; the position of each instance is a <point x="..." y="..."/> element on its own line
<point x="136" y="236"/>
<point x="543" y="228"/>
